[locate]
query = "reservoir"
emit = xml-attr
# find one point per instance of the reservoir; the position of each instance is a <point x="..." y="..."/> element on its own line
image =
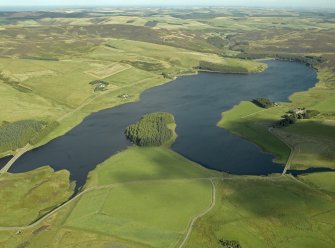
<point x="197" y="102"/>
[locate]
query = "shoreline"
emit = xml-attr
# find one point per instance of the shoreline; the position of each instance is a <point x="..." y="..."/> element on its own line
<point x="82" y="116"/>
<point x="70" y="114"/>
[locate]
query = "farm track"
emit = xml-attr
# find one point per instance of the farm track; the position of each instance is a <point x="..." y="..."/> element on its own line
<point x="255" y="113"/>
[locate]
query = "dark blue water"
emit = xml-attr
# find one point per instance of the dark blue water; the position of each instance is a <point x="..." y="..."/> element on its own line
<point x="196" y="102"/>
<point x="4" y="161"/>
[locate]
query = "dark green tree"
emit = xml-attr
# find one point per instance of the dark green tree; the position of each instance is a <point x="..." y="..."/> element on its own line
<point x="151" y="130"/>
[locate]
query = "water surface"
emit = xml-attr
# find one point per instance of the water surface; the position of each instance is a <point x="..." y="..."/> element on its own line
<point x="4" y="161"/>
<point x="196" y="102"/>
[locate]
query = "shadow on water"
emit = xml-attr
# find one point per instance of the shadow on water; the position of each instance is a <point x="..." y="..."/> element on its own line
<point x="309" y="171"/>
<point x="196" y="102"/>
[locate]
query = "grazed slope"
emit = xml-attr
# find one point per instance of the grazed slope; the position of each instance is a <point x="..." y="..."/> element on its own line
<point x="268" y="212"/>
<point x="140" y="197"/>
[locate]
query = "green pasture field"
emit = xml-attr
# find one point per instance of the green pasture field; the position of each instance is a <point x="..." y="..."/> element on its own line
<point x="252" y="122"/>
<point x="152" y="213"/>
<point x="268" y="212"/>
<point x="312" y="141"/>
<point x="323" y="181"/>
<point x="314" y="144"/>
<point x="129" y="77"/>
<point x="138" y="198"/>
<point x="141" y="163"/>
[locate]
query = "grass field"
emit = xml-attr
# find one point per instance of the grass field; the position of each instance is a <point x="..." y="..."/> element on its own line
<point x="27" y="196"/>
<point x="312" y="141"/>
<point x="252" y="122"/>
<point x="138" y="163"/>
<point x="322" y="181"/>
<point x="129" y="77"/>
<point x="155" y="214"/>
<point x="142" y="197"/>
<point x="268" y="212"/>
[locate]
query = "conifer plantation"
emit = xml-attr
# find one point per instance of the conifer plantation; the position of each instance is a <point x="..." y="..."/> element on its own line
<point x="151" y="130"/>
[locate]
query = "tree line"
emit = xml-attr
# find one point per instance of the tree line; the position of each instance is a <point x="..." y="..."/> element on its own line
<point x="308" y="60"/>
<point x="223" y="68"/>
<point x="151" y="130"/>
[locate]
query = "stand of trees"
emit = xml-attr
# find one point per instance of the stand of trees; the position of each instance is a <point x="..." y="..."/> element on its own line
<point x="287" y="120"/>
<point x="308" y="60"/>
<point x="209" y="66"/>
<point x="151" y="130"/>
<point x="230" y="243"/>
<point x="100" y="85"/>
<point x="292" y="116"/>
<point x="168" y="75"/>
<point x="263" y="102"/>
<point x="94" y="82"/>
<point x="151" y="24"/>
<point x="18" y="134"/>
